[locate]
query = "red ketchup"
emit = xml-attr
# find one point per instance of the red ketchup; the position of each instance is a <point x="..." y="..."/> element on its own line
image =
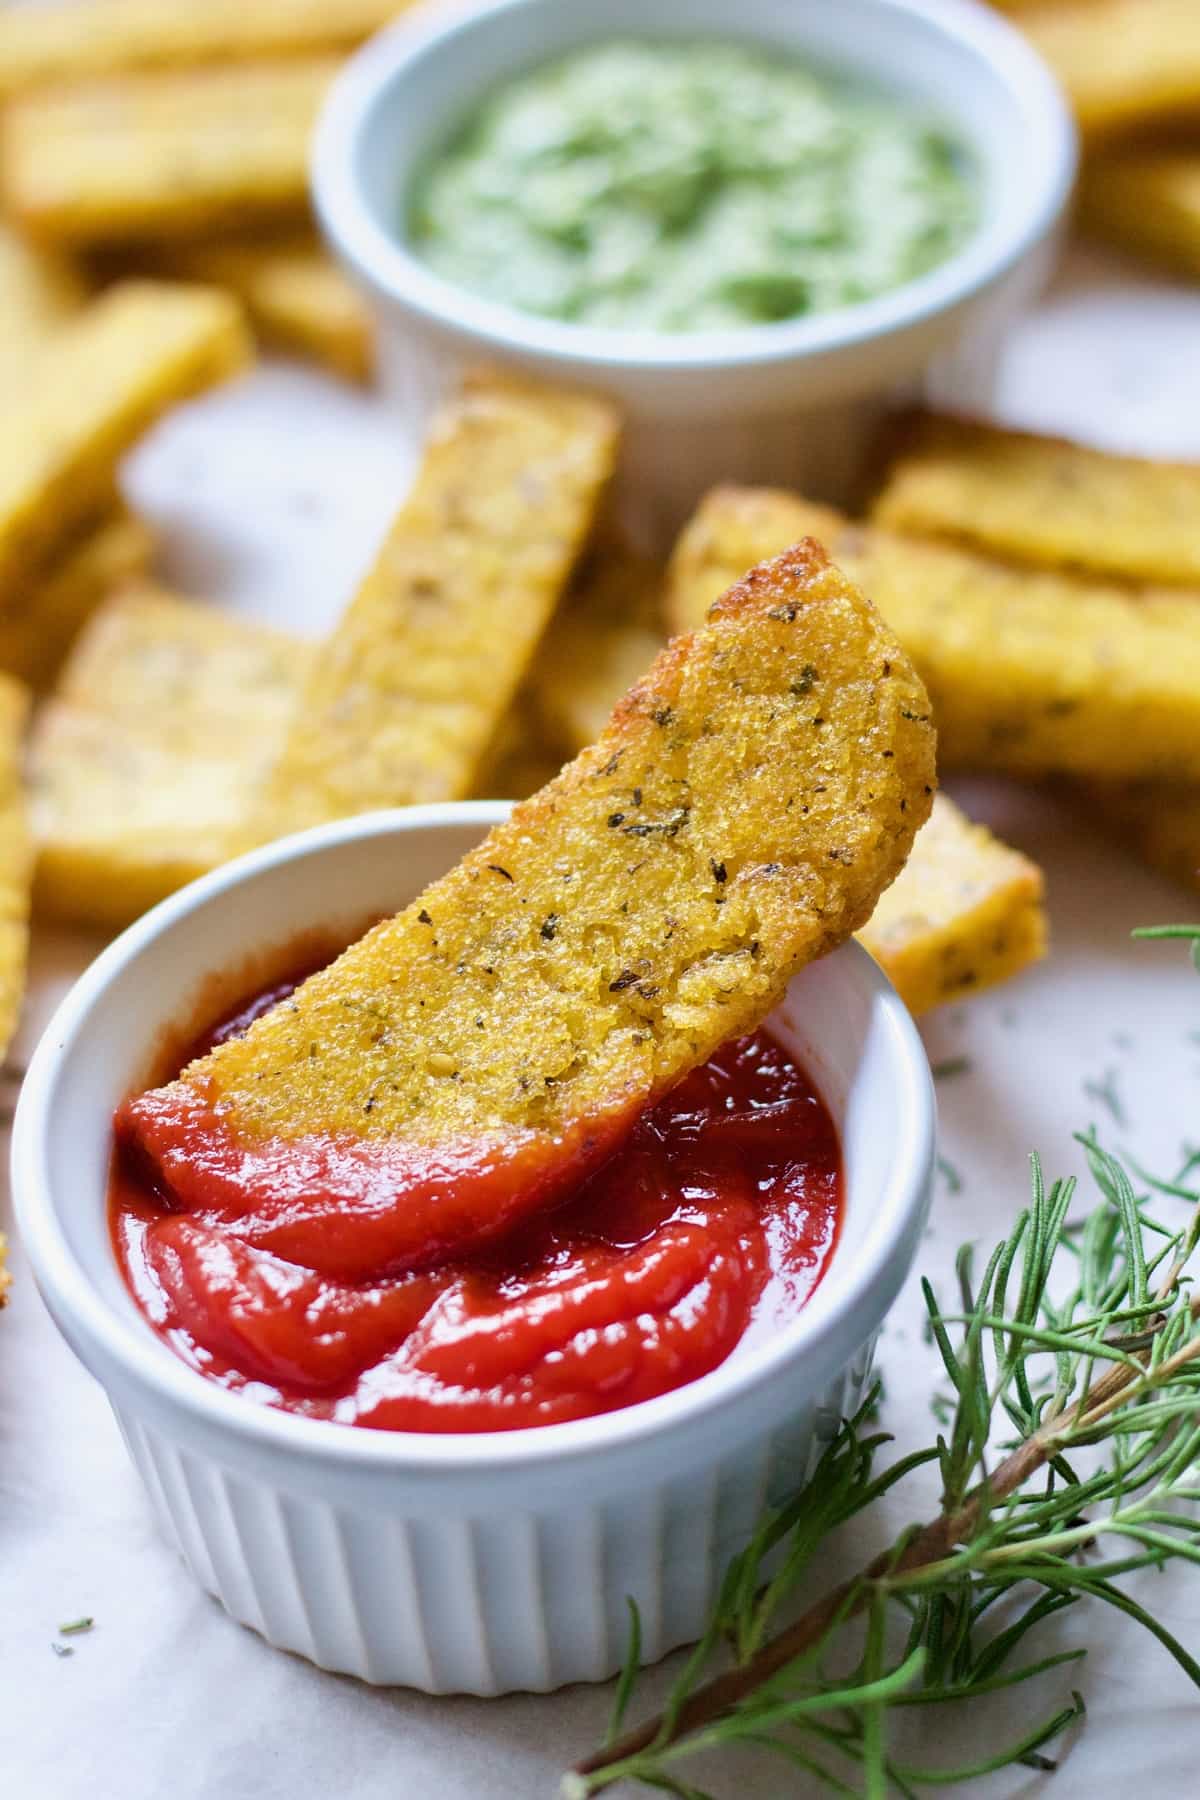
<point x="716" y="1217"/>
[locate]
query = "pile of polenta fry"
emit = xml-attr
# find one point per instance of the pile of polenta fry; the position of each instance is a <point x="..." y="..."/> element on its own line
<point x="1050" y="596"/>
<point x="170" y="138"/>
<point x="154" y="222"/>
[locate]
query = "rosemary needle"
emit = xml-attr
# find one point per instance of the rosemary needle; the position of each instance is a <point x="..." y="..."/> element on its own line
<point x="950" y="1175"/>
<point x="1073" y="1357"/>
<point x="1105" y="1094"/>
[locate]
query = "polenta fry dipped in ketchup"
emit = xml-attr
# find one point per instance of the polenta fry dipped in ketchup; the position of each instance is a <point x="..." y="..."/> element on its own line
<point x="466" y="1062"/>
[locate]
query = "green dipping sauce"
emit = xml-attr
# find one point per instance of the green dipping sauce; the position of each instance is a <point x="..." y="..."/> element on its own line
<point x="692" y="186"/>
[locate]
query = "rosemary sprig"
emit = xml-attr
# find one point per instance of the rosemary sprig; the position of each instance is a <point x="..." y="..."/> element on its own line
<point x="1075" y="1360"/>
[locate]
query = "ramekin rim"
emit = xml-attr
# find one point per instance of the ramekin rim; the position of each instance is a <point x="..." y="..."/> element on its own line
<point x="60" y="1274"/>
<point x="381" y="261"/>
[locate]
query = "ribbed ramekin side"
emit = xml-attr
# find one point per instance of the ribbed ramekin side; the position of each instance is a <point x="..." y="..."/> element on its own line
<point x="530" y="1598"/>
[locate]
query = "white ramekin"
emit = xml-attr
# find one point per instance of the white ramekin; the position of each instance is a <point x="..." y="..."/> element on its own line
<point x="792" y="402"/>
<point x="458" y="1563"/>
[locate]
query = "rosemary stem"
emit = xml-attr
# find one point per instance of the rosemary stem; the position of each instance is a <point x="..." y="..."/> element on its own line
<point x="931" y="1543"/>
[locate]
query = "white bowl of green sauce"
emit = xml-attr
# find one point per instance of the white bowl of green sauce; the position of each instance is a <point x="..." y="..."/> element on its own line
<point x="705" y="185"/>
<point x="754" y="228"/>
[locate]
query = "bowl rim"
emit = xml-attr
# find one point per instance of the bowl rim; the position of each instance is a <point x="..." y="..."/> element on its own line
<point x="385" y="266"/>
<point x="125" y="1342"/>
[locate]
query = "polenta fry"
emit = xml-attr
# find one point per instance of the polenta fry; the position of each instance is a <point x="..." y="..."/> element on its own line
<point x="1146" y="201"/>
<point x="409" y="692"/>
<point x="298" y="301"/>
<point x="35" y="638"/>
<point x="162" y="155"/>
<point x="1030" y="673"/>
<point x="127" y="358"/>
<point x="1045" y="501"/>
<point x="144" y="766"/>
<point x="964" y="913"/>
<point x="745" y="807"/>
<point x="16" y="858"/>
<point x="52" y="45"/>
<point x="1122" y="62"/>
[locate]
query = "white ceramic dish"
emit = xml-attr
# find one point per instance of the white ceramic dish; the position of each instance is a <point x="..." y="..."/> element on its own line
<point x="477" y="1563"/>
<point x="787" y="402"/>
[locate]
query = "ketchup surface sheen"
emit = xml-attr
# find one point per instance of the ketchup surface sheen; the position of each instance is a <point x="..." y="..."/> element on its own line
<point x="720" y="1211"/>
